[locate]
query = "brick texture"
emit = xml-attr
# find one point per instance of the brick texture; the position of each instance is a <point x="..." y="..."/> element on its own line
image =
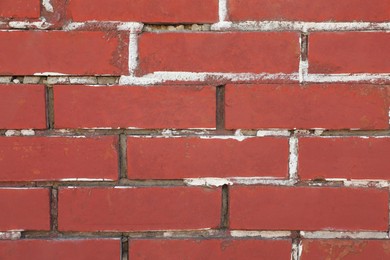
<point x="139" y="107"/>
<point x="22" y="107"/>
<point x="305" y="208"/>
<point x="345" y="249"/>
<point x="137" y="209"/>
<point x="60" y="249"/>
<point x="79" y="53"/>
<point x="213" y="52"/>
<point x="210" y="249"/>
<point x="349" y="158"/>
<point x="177" y="158"/>
<point x="337" y="106"/>
<point x="56" y="158"/>
<point x="309" y="10"/>
<point x="155" y="11"/>
<point x="20" y="8"/>
<point x="24" y="209"/>
<point x="348" y="53"/>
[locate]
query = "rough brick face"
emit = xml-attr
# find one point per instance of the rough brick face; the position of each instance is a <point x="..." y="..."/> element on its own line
<point x="219" y="52"/>
<point x="24" y="209"/>
<point x="141" y="107"/>
<point x="194" y="129"/>
<point x="105" y="249"/>
<point x="210" y="249"/>
<point x="56" y="158"/>
<point x="306" y="208"/>
<point x="337" y="106"/>
<point x="22" y="107"/>
<point x="348" y="52"/>
<point x="20" y="8"/>
<point x="137" y="209"/>
<point x="309" y="10"/>
<point x="345" y="249"/>
<point x="349" y="158"/>
<point x="177" y="158"/>
<point x="155" y="11"/>
<point x="79" y="53"/>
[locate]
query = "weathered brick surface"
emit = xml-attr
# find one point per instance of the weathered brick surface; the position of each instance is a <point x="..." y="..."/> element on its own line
<point x="345" y="249"/>
<point x="79" y="53"/>
<point x="24" y="209"/>
<point x="348" y="53"/>
<point x="137" y="107"/>
<point x="56" y="158"/>
<point x="309" y="10"/>
<point x="219" y="52"/>
<point x="19" y="8"/>
<point x="208" y="129"/>
<point x="155" y="11"/>
<point x="22" y="107"/>
<point x="138" y="209"/>
<point x="306" y="208"/>
<point x="61" y="249"/>
<point x="334" y="106"/>
<point x="348" y="158"/>
<point x="210" y="249"/>
<point x="178" y="158"/>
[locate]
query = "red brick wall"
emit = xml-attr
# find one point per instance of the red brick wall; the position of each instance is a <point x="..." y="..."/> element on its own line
<point x="183" y="129"/>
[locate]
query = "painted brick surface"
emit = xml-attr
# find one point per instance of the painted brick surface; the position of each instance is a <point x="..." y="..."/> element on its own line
<point x="309" y="10"/>
<point x="22" y="107"/>
<point x="209" y="129"/>
<point x="138" y="209"/>
<point x="334" y="106"/>
<point x="349" y="158"/>
<point x="179" y="11"/>
<point x="345" y="249"/>
<point x="178" y="158"/>
<point x="56" y="158"/>
<point x="137" y="107"/>
<point x="219" y="52"/>
<point x="24" y="209"/>
<point x="210" y="249"/>
<point x="60" y="249"/>
<point x="20" y="8"/>
<point x="348" y="53"/>
<point x="79" y="53"/>
<point x="304" y="208"/>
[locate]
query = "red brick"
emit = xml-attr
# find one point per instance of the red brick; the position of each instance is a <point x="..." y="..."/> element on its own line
<point x="345" y="249"/>
<point x="141" y="107"/>
<point x="22" y="107"/>
<point x="309" y="10"/>
<point x="60" y="249"/>
<point x="219" y="52"/>
<point x="349" y="158"/>
<point x="20" y="8"/>
<point x="80" y="53"/>
<point x="210" y="249"/>
<point x="337" y="106"/>
<point x="55" y="158"/>
<point x="24" y="209"/>
<point x="307" y="208"/>
<point x="150" y="11"/>
<point x="177" y="158"/>
<point x="138" y="209"/>
<point x="348" y="52"/>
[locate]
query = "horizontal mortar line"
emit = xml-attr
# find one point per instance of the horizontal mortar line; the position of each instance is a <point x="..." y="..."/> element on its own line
<point x="300" y="26"/>
<point x="201" y="78"/>
<point x="219" y="26"/>
<point x="209" y="182"/>
<point x="206" y="234"/>
<point x="239" y="134"/>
